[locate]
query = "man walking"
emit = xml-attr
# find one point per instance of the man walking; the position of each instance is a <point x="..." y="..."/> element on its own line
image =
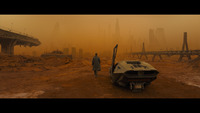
<point x="96" y="64"/>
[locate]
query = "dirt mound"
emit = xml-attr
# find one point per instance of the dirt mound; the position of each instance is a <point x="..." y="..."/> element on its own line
<point x="29" y="63"/>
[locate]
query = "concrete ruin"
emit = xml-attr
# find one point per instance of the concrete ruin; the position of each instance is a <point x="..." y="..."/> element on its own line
<point x="10" y="39"/>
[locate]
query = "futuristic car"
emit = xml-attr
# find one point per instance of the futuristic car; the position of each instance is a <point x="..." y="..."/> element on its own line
<point x="133" y="73"/>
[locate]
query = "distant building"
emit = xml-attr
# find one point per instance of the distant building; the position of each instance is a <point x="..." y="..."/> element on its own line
<point x="73" y="52"/>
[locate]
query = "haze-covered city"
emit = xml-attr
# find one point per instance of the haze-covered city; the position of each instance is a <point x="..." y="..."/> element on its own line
<point x="96" y="33"/>
<point x="138" y="56"/>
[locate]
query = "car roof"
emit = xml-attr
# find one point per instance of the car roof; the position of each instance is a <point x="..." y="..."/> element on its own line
<point x="134" y="65"/>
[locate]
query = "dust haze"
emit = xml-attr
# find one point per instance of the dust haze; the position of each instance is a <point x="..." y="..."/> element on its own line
<point x="97" y="33"/>
<point x="43" y="72"/>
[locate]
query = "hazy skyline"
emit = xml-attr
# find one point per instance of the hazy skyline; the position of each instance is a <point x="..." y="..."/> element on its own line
<point x="94" y="33"/>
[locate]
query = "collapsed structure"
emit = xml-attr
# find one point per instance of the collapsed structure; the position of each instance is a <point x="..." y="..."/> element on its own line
<point x="9" y="39"/>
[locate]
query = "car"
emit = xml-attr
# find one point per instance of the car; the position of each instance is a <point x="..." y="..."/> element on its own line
<point x="133" y="73"/>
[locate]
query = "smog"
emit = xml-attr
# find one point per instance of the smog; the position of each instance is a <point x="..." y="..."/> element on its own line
<point x="55" y="54"/>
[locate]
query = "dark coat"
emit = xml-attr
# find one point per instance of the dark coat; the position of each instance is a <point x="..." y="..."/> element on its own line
<point x="96" y="63"/>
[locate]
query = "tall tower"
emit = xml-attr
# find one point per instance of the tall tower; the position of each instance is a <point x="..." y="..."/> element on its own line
<point x="185" y="46"/>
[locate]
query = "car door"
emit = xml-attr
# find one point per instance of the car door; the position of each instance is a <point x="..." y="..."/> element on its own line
<point x="113" y="58"/>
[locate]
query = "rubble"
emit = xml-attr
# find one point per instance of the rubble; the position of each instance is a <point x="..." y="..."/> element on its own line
<point x="30" y="63"/>
<point x="56" y="53"/>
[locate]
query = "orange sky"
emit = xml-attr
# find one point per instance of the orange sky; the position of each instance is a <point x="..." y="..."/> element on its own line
<point x="94" y="33"/>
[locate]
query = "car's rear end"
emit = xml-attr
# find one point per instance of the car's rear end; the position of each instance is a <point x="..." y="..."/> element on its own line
<point x="137" y="74"/>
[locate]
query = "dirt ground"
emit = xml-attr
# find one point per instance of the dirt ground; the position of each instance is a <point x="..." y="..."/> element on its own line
<point x="76" y="80"/>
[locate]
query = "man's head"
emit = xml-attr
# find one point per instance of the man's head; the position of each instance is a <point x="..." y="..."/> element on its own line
<point x="95" y="54"/>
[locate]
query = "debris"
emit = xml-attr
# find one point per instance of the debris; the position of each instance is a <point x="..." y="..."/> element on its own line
<point x="30" y="63"/>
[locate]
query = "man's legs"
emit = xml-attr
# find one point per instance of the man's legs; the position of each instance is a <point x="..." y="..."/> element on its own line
<point x="95" y="73"/>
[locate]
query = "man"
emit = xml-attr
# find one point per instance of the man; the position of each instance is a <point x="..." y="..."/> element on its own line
<point x="96" y="64"/>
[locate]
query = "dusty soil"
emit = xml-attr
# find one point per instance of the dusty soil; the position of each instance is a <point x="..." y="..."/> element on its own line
<point x="28" y="63"/>
<point x="76" y="80"/>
